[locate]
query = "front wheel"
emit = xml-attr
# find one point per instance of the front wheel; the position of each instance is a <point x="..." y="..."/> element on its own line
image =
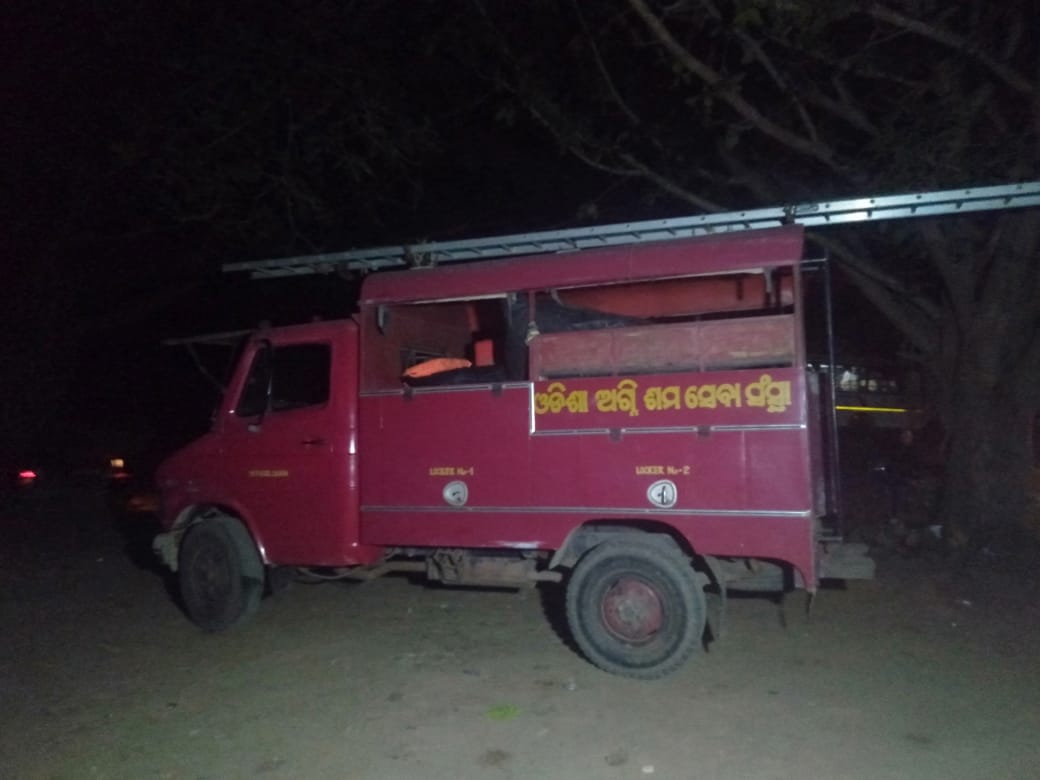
<point x="221" y="574"/>
<point x="635" y="608"/>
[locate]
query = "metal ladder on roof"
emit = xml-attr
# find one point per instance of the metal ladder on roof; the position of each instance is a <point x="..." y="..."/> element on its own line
<point x="864" y="209"/>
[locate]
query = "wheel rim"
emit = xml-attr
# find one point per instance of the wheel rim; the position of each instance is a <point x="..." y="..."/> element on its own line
<point x="211" y="576"/>
<point x="632" y="611"/>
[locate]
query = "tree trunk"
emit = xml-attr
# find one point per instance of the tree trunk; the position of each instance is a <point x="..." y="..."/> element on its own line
<point x="990" y="367"/>
<point x="985" y="495"/>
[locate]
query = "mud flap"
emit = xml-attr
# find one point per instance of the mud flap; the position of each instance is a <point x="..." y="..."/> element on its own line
<point x="716" y="615"/>
<point x="845" y="561"/>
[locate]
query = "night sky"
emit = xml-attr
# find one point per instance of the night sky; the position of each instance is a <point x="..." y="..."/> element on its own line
<point x="146" y="145"/>
<point x="104" y="255"/>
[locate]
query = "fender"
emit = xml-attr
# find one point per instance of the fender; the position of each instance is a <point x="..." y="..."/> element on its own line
<point x="583" y="538"/>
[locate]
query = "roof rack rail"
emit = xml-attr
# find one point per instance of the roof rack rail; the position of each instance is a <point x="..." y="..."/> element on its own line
<point x="862" y="209"/>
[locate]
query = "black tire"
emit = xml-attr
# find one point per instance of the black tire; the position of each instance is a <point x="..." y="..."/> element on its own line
<point x="221" y="574"/>
<point x="635" y="608"/>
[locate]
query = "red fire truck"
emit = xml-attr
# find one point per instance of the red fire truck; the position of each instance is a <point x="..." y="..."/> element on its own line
<point x="626" y="410"/>
<point x="635" y="422"/>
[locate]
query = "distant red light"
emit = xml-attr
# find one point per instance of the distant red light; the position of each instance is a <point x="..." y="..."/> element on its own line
<point x="27" y="475"/>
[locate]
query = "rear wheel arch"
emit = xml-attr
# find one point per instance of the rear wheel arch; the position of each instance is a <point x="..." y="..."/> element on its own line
<point x="583" y="538"/>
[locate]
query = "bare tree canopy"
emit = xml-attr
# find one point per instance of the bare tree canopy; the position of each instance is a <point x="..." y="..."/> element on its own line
<point x="722" y="105"/>
<point x="698" y="95"/>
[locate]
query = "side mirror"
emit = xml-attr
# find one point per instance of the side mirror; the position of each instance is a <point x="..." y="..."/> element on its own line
<point x="255" y="401"/>
<point x="265" y="364"/>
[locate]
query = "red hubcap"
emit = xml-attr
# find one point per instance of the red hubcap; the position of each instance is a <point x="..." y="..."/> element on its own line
<point x="632" y="611"/>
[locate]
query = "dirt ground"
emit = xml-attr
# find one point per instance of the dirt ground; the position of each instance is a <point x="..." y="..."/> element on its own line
<point x="914" y="675"/>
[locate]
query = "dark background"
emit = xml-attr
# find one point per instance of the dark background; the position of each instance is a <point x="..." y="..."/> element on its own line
<point x="144" y="145"/>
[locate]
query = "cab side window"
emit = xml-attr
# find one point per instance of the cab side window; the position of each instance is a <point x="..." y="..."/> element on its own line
<point x="297" y="375"/>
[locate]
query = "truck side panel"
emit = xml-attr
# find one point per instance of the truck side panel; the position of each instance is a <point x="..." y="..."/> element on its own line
<point x="724" y="462"/>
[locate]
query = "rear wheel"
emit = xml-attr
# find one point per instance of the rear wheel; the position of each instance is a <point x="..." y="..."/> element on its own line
<point x="635" y="608"/>
<point x="221" y="575"/>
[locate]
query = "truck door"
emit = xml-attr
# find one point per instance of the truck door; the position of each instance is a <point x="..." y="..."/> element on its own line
<point x="288" y="455"/>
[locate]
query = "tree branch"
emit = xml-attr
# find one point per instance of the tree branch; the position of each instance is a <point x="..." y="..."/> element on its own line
<point x="914" y="316"/>
<point x="756" y="52"/>
<point x="602" y="67"/>
<point x="575" y="143"/>
<point x="951" y="40"/>
<point x="843" y="108"/>
<point x="712" y="78"/>
<point x="669" y="185"/>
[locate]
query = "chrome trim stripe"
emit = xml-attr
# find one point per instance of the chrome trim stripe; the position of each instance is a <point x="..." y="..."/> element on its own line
<point x="594" y="510"/>
<point x="671" y="429"/>
<point x="484" y="386"/>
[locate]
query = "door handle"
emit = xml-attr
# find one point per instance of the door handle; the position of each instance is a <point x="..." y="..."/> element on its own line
<point x="313" y="442"/>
